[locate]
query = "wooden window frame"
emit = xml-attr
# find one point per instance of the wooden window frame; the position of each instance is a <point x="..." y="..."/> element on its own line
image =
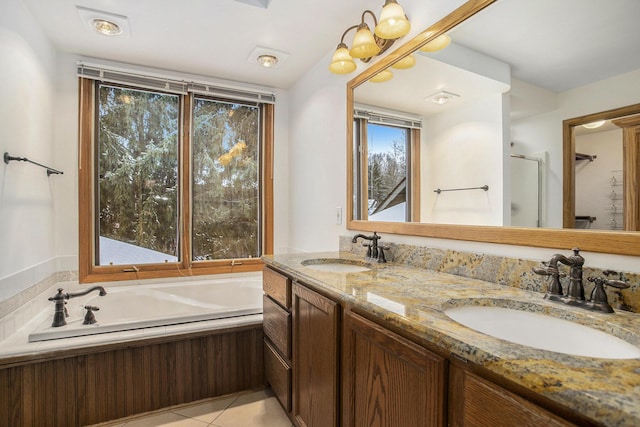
<point x="413" y="170"/>
<point x="91" y="273"/>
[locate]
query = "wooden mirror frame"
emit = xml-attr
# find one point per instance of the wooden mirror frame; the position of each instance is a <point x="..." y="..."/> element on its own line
<point x="613" y="242"/>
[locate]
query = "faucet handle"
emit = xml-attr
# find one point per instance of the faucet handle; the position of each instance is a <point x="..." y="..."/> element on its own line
<point x="599" y="300"/>
<point x="90" y="318"/>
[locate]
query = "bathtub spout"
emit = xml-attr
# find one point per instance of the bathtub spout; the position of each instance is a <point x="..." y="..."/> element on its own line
<point x="60" y="299"/>
<point x="91" y="289"/>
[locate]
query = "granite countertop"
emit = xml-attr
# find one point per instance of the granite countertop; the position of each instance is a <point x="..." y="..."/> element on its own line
<point x="414" y="299"/>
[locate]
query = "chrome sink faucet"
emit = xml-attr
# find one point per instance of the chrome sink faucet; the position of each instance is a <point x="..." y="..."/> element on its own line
<point x="60" y="299"/>
<point x="375" y="253"/>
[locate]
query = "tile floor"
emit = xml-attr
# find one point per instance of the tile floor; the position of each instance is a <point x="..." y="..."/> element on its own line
<point x="257" y="409"/>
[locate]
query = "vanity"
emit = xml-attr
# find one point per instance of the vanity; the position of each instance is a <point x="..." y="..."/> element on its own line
<point x="376" y="347"/>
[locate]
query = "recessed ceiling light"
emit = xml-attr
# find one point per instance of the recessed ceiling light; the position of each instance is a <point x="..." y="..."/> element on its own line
<point x="108" y="24"/>
<point x="442" y="97"/>
<point x="105" y="27"/>
<point x="268" y="61"/>
<point x="267" y="57"/>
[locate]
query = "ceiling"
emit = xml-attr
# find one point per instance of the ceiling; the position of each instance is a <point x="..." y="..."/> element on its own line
<point x="215" y="37"/>
<point x="206" y="37"/>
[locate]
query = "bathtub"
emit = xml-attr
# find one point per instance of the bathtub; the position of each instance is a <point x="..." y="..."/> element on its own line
<point x="152" y="305"/>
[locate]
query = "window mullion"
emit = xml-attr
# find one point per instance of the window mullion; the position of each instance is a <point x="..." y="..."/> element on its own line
<point x="185" y="179"/>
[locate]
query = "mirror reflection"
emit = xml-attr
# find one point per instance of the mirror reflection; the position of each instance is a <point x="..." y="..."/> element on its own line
<point x="472" y="133"/>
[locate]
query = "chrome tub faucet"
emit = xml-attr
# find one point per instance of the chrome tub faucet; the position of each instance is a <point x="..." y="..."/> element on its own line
<point x="60" y="299"/>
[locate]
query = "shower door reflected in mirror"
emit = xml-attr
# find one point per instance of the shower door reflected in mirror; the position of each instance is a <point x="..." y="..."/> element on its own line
<point x="527" y="174"/>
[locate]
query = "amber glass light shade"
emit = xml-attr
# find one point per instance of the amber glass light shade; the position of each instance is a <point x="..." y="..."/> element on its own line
<point x="364" y="45"/>
<point x="392" y="23"/>
<point x="382" y="76"/>
<point x="436" y="44"/>
<point x="342" y="63"/>
<point x="404" y="63"/>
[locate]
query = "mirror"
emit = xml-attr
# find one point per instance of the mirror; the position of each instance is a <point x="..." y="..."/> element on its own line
<point x="496" y="63"/>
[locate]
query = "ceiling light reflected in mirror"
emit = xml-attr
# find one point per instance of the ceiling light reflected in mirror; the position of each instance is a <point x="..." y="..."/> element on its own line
<point x="442" y="97"/>
<point x="594" y="125"/>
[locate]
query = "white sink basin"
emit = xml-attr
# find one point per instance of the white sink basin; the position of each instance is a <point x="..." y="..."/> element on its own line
<point x="543" y="332"/>
<point x="336" y="265"/>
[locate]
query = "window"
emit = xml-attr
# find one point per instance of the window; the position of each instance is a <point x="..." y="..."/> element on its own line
<point x="385" y="184"/>
<point x="172" y="182"/>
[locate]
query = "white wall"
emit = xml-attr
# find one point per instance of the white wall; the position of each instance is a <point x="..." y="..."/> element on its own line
<point x="39" y="120"/>
<point x="464" y="148"/>
<point x="27" y="102"/>
<point x="317" y="164"/>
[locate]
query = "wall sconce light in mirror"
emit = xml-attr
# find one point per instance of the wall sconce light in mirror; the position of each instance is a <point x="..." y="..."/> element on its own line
<point x="436" y="44"/>
<point x="393" y="24"/>
<point x="404" y="63"/>
<point x="382" y="76"/>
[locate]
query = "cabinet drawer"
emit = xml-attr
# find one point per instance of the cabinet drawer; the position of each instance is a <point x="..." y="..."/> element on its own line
<point x="278" y="373"/>
<point x="277" y="287"/>
<point x="276" y="322"/>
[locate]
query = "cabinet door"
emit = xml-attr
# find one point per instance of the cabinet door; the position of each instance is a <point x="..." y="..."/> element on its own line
<point x="315" y="359"/>
<point x="477" y="402"/>
<point x="388" y="380"/>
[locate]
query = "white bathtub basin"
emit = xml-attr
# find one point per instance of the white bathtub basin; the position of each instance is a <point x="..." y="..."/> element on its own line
<point x="543" y="332"/>
<point x="336" y="265"/>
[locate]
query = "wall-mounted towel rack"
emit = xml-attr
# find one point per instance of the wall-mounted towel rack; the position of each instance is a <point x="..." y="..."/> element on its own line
<point x="50" y="171"/>
<point x="590" y="157"/>
<point x="484" y="187"/>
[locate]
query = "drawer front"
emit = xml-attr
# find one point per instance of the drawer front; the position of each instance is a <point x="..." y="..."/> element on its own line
<point x="278" y="373"/>
<point x="277" y="326"/>
<point x="277" y="287"/>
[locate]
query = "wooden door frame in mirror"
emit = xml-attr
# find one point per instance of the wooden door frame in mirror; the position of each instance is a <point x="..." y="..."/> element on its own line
<point x="630" y="159"/>
<point x="621" y="243"/>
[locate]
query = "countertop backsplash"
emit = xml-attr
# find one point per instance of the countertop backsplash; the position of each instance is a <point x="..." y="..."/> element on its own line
<point x="501" y="270"/>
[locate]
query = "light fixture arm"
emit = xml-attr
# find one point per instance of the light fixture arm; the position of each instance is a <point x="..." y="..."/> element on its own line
<point x="389" y="33"/>
<point x="375" y="21"/>
<point x="345" y="33"/>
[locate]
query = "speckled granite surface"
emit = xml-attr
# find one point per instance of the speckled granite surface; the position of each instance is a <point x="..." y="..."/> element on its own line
<point x="414" y="299"/>
<point x="497" y="269"/>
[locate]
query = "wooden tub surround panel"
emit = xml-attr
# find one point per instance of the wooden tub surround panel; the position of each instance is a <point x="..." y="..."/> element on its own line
<point x="120" y="380"/>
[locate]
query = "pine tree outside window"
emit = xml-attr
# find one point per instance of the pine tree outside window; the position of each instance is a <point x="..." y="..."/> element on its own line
<point x="172" y="184"/>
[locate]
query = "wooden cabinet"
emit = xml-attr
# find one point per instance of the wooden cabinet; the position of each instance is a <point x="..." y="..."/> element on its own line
<point x="388" y="380"/>
<point x="362" y="374"/>
<point x="277" y="332"/>
<point x="476" y="402"/>
<point x="315" y="358"/>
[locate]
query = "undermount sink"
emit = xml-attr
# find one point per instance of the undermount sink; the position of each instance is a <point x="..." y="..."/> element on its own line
<point x="336" y="265"/>
<point x="543" y="332"/>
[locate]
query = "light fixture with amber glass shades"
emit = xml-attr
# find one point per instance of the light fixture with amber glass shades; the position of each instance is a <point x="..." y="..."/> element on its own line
<point x="393" y="24"/>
